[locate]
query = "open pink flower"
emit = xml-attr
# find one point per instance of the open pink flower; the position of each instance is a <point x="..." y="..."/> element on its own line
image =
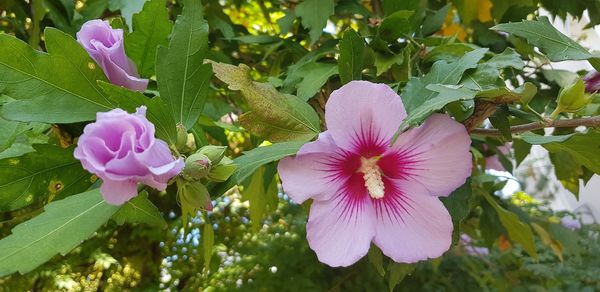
<point x="365" y="190"/>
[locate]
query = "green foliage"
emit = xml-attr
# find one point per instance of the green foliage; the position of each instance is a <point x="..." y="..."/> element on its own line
<point x="416" y="93"/>
<point x="183" y="79"/>
<point x="49" y="173"/>
<point x="62" y="226"/>
<point x="151" y="28"/>
<point x="350" y="62"/>
<point x="255" y="158"/>
<point x="272" y="115"/>
<point x="262" y="195"/>
<point x="583" y="147"/>
<point x="517" y="231"/>
<point x="140" y="210"/>
<point x="541" y="33"/>
<point x="314" y="77"/>
<point x="314" y="14"/>
<point x="45" y="91"/>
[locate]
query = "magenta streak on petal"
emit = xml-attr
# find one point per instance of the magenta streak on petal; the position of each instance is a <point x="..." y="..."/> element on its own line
<point x="395" y="203"/>
<point x="367" y="143"/>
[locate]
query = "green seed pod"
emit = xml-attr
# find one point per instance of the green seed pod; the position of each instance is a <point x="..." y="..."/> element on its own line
<point x="197" y="166"/>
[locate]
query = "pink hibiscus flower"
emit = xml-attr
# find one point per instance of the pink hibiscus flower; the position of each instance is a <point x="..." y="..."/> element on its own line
<point x="365" y="190"/>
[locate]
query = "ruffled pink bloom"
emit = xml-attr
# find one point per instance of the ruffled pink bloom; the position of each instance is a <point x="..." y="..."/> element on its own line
<point x="105" y="45"/>
<point x="120" y="148"/>
<point x="365" y="190"/>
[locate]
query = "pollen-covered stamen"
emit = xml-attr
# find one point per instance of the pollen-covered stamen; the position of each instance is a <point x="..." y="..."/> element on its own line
<point x="372" y="176"/>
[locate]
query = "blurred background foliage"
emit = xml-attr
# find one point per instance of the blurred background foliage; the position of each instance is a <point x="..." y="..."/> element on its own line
<point x="293" y="45"/>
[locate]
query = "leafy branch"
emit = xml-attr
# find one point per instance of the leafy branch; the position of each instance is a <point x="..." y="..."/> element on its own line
<point x="592" y="122"/>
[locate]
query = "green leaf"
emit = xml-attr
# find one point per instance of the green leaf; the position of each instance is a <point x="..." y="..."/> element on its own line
<point x="49" y="173"/>
<point x="55" y="87"/>
<point x="383" y="61"/>
<point x="255" y="193"/>
<point x="151" y="28"/>
<point x="395" y="25"/>
<point x="314" y="14"/>
<point x="434" y="22"/>
<point x="446" y="94"/>
<point x="500" y="121"/>
<point x="272" y="116"/>
<point x="350" y="61"/>
<point x="448" y="52"/>
<point x="140" y="210"/>
<point x="567" y="171"/>
<point x="157" y="111"/>
<point x="376" y="258"/>
<point x="508" y="58"/>
<point x="397" y="273"/>
<point x="522" y="149"/>
<point x="415" y="92"/>
<point x="542" y="34"/>
<point x="257" y="157"/>
<point x="536" y="139"/>
<point x="63" y="225"/>
<point x="314" y="76"/>
<point x="208" y="241"/>
<point x="458" y="204"/>
<point x="524" y="94"/>
<point x="583" y="147"/>
<point x="518" y="231"/>
<point x="467" y="9"/>
<point x="183" y="79"/>
<point x="562" y="78"/>
<point x="193" y="197"/>
<point x="127" y="7"/>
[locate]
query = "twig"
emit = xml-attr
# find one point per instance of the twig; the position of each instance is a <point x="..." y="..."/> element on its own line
<point x="592" y="122"/>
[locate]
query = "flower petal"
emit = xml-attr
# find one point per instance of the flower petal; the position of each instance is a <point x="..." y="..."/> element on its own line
<point x="411" y="225"/>
<point x="307" y="176"/>
<point x="340" y="235"/>
<point x="118" y="192"/>
<point x="323" y="144"/>
<point x="435" y="154"/>
<point x="361" y="110"/>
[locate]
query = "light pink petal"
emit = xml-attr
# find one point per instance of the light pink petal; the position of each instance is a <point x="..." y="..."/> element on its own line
<point x="338" y="233"/>
<point x="323" y="144"/>
<point x="435" y="154"/>
<point x="362" y="112"/>
<point x="118" y="192"/>
<point x="493" y="162"/>
<point x="307" y="176"/>
<point x="411" y="225"/>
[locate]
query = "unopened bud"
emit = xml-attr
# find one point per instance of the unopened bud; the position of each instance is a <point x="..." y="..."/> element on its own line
<point x="182" y="137"/>
<point x="214" y="153"/>
<point x="197" y="166"/>
<point x="222" y="171"/>
<point x="573" y="97"/>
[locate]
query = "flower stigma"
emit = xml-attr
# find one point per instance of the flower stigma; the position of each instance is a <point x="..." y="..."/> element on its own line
<point x="372" y="176"/>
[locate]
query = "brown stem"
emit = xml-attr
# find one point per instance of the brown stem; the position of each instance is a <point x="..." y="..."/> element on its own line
<point x="483" y="110"/>
<point x="592" y="122"/>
